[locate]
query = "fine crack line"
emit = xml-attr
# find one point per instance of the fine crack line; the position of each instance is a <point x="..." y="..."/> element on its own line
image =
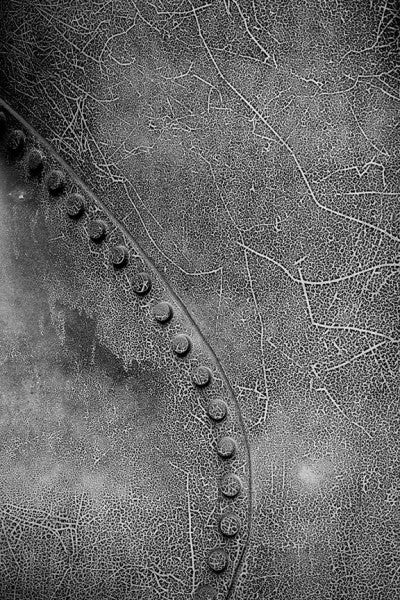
<point x="176" y="298"/>
<point x="283" y="143"/>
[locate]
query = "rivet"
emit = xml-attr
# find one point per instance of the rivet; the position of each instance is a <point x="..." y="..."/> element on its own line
<point x="217" y="410"/>
<point x="97" y="230"/>
<point x="119" y="256"/>
<point x="35" y="161"/>
<point x="55" y="182"/>
<point x="181" y="344"/>
<point x="201" y="376"/>
<point x="218" y="560"/>
<point x="205" y="592"/>
<point x="75" y="205"/>
<point x="226" y="447"/>
<point x="162" y="312"/>
<point x="230" y="485"/>
<point x="229" y="524"/>
<point x="141" y="283"/>
<point x="16" y="141"/>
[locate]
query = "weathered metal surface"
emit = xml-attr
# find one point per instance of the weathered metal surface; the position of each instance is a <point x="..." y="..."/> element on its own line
<point x="251" y="150"/>
<point x="110" y="475"/>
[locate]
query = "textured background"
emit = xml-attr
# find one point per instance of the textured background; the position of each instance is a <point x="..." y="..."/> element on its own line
<point x="251" y="149"/>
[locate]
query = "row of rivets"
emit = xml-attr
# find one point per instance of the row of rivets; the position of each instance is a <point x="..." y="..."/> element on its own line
<point x="75" y="206"/>
<point x="230" y="484"/>
<point x="119" y="255"/>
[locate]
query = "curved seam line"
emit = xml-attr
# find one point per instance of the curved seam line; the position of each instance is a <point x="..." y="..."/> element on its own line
<point x="184" y="309"/>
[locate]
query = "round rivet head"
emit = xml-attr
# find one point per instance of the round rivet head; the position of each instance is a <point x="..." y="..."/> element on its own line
<point x="218" y="560"/>
<point x="35" y="161"/>
<point x="55" y="182"/>
<point x="226" y="447"/>
<point x="229" y="525"/>
<point x="162" y="312"/>
<point x="119" y="256"/>
<point x="75" y="205"/>
<point x="201" y="376"/>
<point x="141" y="284"/>
<point x="205" y="592"/>
<point x="97" y="230"/>
<point x="16" y="141"/>
<point x="230" y="485"/>
<point x="181" y="344"/>
<point x="217" y="410"/>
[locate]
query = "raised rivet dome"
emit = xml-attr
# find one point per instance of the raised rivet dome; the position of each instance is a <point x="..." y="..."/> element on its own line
<point x="55" y="181"/>
<point x="97" y="230"/>
<point x="75" y="205"/>
<point x="205" y="592"/>
<point x="201" y="376"/>
<point x="119" y="256"/>
<point x="217" y="410"/>
<point x="229" y="525"/>
<point x="141" y="283"/>
<point x="226" y="447"/>
<point x="162" y="312"/>
<point x="16" y="141"/>
<point x="181" y="344"/>
<point x="35" y="161"/>
<point x="218" y="560"/>
<point x="230" y="485"/>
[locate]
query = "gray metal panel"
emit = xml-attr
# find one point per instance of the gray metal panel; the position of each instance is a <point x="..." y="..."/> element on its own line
<point x="251" y="151"/>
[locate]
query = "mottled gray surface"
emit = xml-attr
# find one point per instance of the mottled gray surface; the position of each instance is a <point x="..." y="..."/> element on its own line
<point x="251" y="149"/>
<point x="109" y="469"/>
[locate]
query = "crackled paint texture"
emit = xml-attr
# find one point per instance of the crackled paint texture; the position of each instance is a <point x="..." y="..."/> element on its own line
<point x="102" y="490"/>
<point x="251" y="149"/>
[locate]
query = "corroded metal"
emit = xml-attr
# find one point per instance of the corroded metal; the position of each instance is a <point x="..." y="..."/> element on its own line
<point x="217" y="410"/>
<point x="202" y="376"/>
<point x="245" y="153"/>
<point x="229" y="524"/>
<point x="226" y="447"/>
<point x="75" y="205"/>
<point x="162" y="312"/>
<point x="50" y="215"/>
<point x="119" y="256"/>
<point x="181" y="344"/>
<point x="97" y="230"/>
